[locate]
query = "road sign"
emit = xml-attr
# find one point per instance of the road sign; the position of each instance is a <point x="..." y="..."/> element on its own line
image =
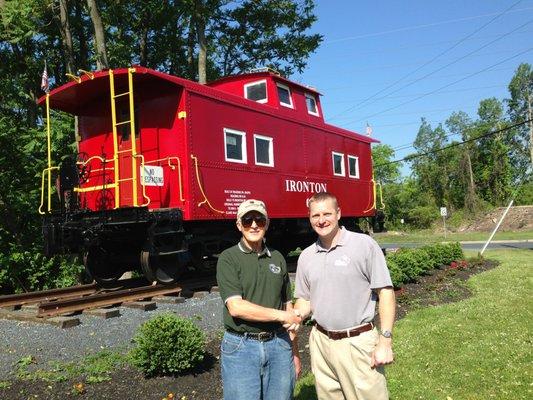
<point x="443" y="212"/>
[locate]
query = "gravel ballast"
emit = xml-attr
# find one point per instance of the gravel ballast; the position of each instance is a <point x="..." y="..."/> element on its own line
<point x="47" y="343"/>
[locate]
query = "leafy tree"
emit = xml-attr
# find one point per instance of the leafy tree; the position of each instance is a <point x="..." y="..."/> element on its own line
<point x="460" y="124"/>
<point x="385" y="171"/>
<point x="520" y="109"/>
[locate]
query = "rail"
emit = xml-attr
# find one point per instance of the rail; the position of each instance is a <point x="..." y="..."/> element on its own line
<point x="52" y="308"/>
<point x="36" y="297"/>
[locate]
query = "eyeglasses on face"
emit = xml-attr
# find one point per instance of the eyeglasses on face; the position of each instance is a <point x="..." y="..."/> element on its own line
<point x="248" y="220"/>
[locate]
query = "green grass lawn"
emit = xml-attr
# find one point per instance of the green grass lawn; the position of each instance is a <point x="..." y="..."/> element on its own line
<point x="428" y="236"/>
<point x="479" y="348"/>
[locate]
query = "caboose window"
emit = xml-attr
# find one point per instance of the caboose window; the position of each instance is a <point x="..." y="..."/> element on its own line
<point x="311" y="104"/>
<point x="284" y="94"/>
<point x="235" y="146"/>
<point x="353" y="167"/>
<point x="256" y="91"/>
<point x="263" y="151"/>
<point x="338" y="164"/>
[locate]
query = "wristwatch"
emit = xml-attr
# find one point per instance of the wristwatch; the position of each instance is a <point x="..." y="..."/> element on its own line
<point x="387" y="334"/>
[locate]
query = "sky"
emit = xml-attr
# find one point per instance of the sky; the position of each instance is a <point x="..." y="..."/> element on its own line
<point x="390" y="63"/>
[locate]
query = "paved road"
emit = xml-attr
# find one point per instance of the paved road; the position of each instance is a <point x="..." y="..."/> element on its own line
<point x="498" y="244"/>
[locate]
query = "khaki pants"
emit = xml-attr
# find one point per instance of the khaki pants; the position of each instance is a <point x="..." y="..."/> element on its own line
<point x="342" y="367"/>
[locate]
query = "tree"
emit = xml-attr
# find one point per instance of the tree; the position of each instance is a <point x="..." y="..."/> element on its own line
<point x="432" y="169"/>
<point x="460" y="124"/>
<point x="99" y="35"/>
<point x="520" y="109"/>
<point x="493" y="167"/>
<point x="385" y="171"/>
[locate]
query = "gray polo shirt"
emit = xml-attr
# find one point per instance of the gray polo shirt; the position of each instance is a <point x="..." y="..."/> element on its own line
<point x="338" y="282"/>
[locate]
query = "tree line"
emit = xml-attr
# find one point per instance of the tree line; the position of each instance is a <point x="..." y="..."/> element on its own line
<point x="464" y="164"/>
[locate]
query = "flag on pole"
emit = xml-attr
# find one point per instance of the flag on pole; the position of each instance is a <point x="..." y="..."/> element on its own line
<point x="44" y="80"/>
<point x="368" y="129"/>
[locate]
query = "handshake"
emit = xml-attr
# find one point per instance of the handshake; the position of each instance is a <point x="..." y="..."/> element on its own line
<point x="292" y="320"/>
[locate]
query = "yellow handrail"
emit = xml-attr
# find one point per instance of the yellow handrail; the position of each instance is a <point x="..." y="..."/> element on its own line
<point x="93" y="188"/>
<point x="142" y="182"/>
<point x="49" y="168"/>
<point x="115" y="139"/>
<point x="381" y="195"/>
<point x="206" y="201"/>
<point x="374" y="196"/>
<point x="87" y="73"/>
<point x="132" y="137"/>
<point x="49" y="190"/>
<point x="74" y="78"/>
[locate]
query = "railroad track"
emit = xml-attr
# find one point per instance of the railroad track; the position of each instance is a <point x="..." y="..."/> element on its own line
<point x="50" y="306"/>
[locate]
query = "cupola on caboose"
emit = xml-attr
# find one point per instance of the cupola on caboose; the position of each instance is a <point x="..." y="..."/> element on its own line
<point x="164" y="162"/>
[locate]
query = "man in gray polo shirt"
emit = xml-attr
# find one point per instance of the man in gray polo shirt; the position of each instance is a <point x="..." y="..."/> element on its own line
<point x="338" y="280"/>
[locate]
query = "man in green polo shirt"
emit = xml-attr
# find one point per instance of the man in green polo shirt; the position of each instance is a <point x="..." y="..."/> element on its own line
<point x="256" y="351"/>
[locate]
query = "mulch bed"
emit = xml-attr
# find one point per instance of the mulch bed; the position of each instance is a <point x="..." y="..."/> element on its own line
<point x="440" y="286"/>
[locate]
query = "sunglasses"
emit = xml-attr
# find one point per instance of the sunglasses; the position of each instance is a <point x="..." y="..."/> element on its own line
<point x="248" y="220"/>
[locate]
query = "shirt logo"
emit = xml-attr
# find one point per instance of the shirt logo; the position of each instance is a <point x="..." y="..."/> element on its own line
<point x="274" y="268"/>
<point x="342" y="262"/>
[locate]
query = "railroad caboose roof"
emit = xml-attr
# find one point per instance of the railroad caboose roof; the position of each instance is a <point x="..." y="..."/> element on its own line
<point x="74" y="97"/>
<point x="262" y="74"/>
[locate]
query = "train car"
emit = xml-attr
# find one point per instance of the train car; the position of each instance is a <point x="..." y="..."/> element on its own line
<point x="164" y="162"/>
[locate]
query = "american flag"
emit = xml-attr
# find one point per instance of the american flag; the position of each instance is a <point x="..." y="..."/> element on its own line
<point x="368" y="129"/>
<point x="44" y="81"/>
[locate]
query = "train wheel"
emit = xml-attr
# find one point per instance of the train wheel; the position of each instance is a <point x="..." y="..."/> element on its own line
<point x="100" y="268"/>
<point x="165" y="269"/>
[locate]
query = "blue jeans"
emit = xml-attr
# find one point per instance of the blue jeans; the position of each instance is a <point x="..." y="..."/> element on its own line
<point x="254" y="370"/>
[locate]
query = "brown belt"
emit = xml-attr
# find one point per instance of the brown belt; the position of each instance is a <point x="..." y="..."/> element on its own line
<point x="337" y="335"/>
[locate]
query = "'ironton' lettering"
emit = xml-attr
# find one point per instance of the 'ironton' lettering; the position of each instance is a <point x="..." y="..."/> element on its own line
<point x="304" y="186"/>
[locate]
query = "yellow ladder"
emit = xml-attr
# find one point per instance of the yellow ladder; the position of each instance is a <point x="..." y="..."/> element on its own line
<point x="133" y="149"/>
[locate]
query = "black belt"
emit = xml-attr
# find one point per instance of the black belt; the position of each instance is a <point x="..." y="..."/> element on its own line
<point x="336" y="335"/>
<point x="260" y="336"/>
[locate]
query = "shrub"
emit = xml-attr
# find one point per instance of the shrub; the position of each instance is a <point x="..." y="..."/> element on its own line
<point x="438" y="254"/>
<point x="396" y="273"/>
<point x="168" y="344"/>
<point x="408" y="264"/>
<point x="412" y="262"/>
<point x="26" y="270"/>
<point x="422" y="216"/>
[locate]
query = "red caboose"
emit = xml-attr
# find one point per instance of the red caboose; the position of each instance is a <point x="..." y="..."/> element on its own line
<point x="164" y="163"/>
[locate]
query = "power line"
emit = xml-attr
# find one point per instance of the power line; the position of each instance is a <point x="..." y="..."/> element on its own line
<point x="443" y="87"/>
<point x="418" y="94"/>
<point x="359" y="105"/>
<point x="418" y="155"/>
<point x="414" y="27"/>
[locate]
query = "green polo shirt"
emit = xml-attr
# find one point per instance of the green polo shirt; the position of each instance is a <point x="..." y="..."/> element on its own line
<point x="261" y="279"/>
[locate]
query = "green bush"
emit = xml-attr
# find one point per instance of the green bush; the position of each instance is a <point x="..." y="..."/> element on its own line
<point x="396" y="273"/>
<point x="412" y="262"/>
<point x="422" y="216"/>
<point x="406" y="265"/>
<point x="168" y="344"/>
<point x="27" y="270"/>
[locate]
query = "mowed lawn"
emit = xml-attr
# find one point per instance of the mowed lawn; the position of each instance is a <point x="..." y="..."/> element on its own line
<point x="479" y="348"/>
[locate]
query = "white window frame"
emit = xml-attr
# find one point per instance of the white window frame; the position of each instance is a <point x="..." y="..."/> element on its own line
<point x="247" y="85"/>
<point x="243" y="145"/>
<point x="312" y="97"/>
<point x="270" y="150"/>
<point x="282" y="86"/>
<point x="356" y="176"/>
<point x="343" y="170"/>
